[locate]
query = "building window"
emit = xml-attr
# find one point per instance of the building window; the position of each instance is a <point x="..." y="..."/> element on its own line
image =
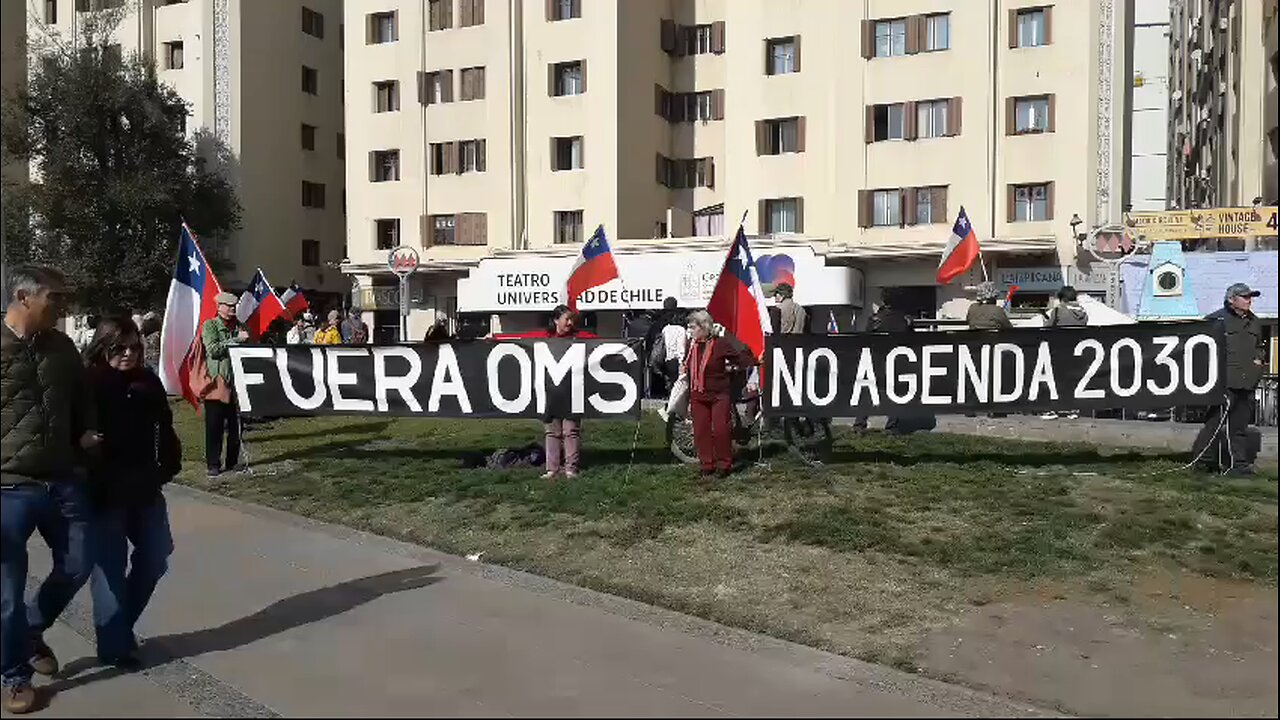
<point x="937" y="32"/>
<point x="437" y="87"/>
<point x="568" y="78"/>
<point x="310" y="80"/>
<point x="312" y="23"/>
<point x="709" y="221"/>
<point x="440" y="14"/>
<point x="173" y="55"/>
<point x="51" y="12"/>
<point x="931" y="205"/>
<point x="1032" y="24"/>
<point x="386" y="96"/>
<point x="310" y="253"/>
<point x="442" y="157"/>
<point x="470" y="13"/>
<point x="308" y="137"/>
<point x="697" y="106"/>
<point x="888" y="122"/>
<point x="566" y="153"/>
<point x="931" y="119"/>
<point x="1031" y="203"/>
<point x="783" y="135"/>
<point x="782" y="55"/>
<point x="384" y="166"/>
<point x="1031" y="115"/>
<point x="313" y="195"/>
<point x="565" y="9"/>
<point x="473" y="83"/>
<point x="886" y="208"/>
<point x="382" y="28"/>
<point x="442" y="229"/>
<point x="386" y="232"/>
<point x="568" y="227"/>
<point x="686" y="173"/>
<point x="891" y="37"/>
<point x="782" y="215"/>
<point x="697" y="39"/>
<point x="341" y="145"/>
<point x="471" y="156"/>
<point x="96" y="5"/>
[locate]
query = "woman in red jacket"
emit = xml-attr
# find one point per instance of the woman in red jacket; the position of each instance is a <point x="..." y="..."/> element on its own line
<point x="562" y="433"/>
<point x="710" y="396"/>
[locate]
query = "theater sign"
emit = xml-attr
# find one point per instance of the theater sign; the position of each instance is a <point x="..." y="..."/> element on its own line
<point x="531" y="283"/>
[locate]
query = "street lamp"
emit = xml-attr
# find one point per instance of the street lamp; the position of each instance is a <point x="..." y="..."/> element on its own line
<point x="1075" y="223"/>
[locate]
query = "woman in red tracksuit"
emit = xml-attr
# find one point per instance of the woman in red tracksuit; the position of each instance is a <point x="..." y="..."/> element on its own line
<point x="562" y="433"/>
<point x="710" y="393"/>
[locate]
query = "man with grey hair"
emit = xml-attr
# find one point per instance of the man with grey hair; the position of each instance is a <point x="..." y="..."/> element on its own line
<point x="46" y="420"/>
<point x="1244" y="353"/>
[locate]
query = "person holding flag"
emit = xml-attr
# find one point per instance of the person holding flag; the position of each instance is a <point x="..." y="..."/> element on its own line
<point x="221" y="415"/>
<point x="738" y="305"/>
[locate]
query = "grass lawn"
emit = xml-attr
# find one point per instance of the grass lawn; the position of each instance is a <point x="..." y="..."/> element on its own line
<point x="864" y="556"/>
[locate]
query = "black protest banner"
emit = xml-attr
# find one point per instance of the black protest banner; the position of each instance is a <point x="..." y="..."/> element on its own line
<point x="1157" y="365"/>
<point x="526" y="378"/>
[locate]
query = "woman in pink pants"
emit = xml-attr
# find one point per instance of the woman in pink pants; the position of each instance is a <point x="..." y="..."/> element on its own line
<point x="563" y="434"/>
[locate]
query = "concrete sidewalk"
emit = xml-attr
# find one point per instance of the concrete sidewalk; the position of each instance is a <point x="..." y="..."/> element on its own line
<point x="267" y="614"/>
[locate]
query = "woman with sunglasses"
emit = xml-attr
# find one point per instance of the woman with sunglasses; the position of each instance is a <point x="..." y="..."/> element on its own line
<point x="140" y="452"/>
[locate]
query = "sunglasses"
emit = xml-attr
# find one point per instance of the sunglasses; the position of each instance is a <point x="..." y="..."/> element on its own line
<point x="119" y="350"/>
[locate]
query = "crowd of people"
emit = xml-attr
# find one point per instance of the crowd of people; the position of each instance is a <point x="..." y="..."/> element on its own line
<point x="88" y="441"/>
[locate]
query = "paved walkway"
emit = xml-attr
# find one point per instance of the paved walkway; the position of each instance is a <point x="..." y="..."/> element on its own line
<point x="266" y="614"/>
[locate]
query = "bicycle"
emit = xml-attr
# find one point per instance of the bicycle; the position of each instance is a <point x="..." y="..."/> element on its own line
<point x="810" y="440"/>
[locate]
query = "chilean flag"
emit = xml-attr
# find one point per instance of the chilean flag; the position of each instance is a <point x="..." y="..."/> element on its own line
<point x="595" y="267"/>
<point x="961" y="250"/>
<point x="738" y="301"/>
<point x="259" y="307"/>
<point x="294" y="301"/>
<point x="193" y="293"/>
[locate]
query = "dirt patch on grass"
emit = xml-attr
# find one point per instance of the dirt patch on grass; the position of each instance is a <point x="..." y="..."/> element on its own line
<point x="1185" y="646"/>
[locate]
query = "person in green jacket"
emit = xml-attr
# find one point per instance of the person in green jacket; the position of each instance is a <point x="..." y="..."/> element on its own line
<point x="985" y="314"/>
<point x="221" y="415"/>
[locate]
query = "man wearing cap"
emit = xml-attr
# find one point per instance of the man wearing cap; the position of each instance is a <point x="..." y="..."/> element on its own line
<point x="1245" y="350"/>
<point x="221" y="417"/>
<point x="793" y="318"/>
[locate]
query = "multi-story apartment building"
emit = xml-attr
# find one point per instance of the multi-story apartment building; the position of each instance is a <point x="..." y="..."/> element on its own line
<point x="499" y="134"/>
<point x="1224" y="68"/>
<point x="1149" y="113"/>
<point x="263" y="77"/>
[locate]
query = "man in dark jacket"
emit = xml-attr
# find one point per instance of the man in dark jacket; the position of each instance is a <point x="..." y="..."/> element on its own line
<point x="1245" y="351"/>
<point x="985" y="314"/>
<point x="46" y="418"/>
<point x="1068" y="312"/>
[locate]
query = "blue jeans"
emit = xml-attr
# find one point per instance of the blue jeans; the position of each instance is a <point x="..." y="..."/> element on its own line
<point x="119" y="597"/>
<point x="59" y="511"/>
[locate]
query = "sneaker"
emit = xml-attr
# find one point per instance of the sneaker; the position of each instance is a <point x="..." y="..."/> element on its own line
<point x="214" y="472"/>
<point x="724" y="473"/>
<point x="1073" y="415"/>
<point x="19" y="699"/>
<point x="1242" y="471"/>
<point x="43" y="661"/>
<point x="548" y="475"/>
<point x="242" y="469"/>
<point x="570" y="474"/>
<point x="1051" y="415"/>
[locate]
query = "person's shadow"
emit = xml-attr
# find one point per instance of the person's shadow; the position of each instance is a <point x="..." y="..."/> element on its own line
<point x="281" y="616"/>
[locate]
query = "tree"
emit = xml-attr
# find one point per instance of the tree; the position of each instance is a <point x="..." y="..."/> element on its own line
<point x="113" y="174"/>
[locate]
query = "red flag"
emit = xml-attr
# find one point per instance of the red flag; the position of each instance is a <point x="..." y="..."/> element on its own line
<point x="738" y="301"/>
<point x="595" y="267"/>
<point x="961" y="250"/>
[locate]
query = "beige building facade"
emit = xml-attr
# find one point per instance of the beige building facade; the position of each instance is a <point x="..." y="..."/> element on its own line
<point x="263" y="78"/>
<point x="1224" y="67"/>
<point x="849" y="134"/>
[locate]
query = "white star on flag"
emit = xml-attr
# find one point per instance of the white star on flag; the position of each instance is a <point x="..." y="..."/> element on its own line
<point x="194" y="264"/>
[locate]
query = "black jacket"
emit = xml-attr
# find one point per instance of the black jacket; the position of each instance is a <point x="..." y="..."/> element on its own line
<point x="44" y="408"/>
<point x="140" y="451"/>
<point x="889" y="320"/>
<point x="1244" y="346"/>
